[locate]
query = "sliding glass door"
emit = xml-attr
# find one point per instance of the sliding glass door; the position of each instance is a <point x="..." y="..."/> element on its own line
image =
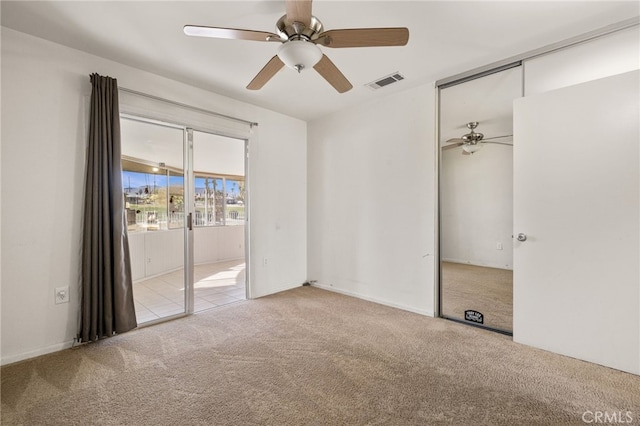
<point x="219" y="216"/>
<point x="153" y="164"/>
<point x="186" y="200"/>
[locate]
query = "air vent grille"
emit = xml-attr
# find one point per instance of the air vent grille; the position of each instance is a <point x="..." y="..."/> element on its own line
<point x="385" y="81"/>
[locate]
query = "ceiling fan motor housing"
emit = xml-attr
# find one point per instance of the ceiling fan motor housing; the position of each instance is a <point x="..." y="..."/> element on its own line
<point x="473" y="137"/>
<point x="297" y="51"/>
<point x="298" y="30"/>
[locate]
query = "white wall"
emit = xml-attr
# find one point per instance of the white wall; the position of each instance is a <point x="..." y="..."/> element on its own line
<point x="218" y="243"/>
<point x="476" y="206"/>
<point x="158" y="252"/>
<point x="603" y="57"/>
<point x="155" y="252"/>
<point x="44" y="91"/>
<point x="372" y="200"/>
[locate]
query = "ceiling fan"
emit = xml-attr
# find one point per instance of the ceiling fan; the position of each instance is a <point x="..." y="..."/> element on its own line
<point x="472" y="141"/>
<point x="299" y="34"/>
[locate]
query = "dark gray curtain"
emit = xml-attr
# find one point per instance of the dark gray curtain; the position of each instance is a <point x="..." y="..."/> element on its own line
<point x="107" y="290"/>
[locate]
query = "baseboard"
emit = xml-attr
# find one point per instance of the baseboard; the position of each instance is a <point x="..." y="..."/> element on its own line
<point x="274" y="291"/>
<point x="36" y="353"/>
<point x="230" y="259"/>
<point x="66" y="345"/>
<point x="485" y="265"/>
<point x="375" y="300"/>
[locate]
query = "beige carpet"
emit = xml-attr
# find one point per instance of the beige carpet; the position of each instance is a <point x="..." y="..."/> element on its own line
<point x="310" y="357"/>
<point x="487" y="290"/>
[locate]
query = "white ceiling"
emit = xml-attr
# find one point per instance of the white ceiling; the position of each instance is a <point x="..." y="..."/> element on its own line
<point x="161" y="144"/>
<point x="446" y="38"/>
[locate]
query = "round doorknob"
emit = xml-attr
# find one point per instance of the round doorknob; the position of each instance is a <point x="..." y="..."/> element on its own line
<point x="522" y="237"/>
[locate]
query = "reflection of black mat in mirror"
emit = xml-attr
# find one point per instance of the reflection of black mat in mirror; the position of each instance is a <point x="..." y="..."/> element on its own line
<point x="488" y="290"/>
<point x="474" y="316"/>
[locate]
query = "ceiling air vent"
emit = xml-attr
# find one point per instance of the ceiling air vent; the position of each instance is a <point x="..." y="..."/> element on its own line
<point x="385" y="81"/>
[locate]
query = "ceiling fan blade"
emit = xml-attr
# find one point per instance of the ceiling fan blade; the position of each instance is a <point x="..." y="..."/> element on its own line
<point x="332" y="74"/>
<point x="457" y="141"/>
<point x="230" y="33"/>
<point x="266" y="73"/>
<point x="497" y="137"/>
<point x="298" y="11"/>
<point x="453" y="145"/>
<point x="499" y="143"/>
<point x="364" y="37"/>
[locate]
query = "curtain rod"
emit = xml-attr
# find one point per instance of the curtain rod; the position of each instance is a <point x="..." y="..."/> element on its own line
<point x="191" y="107"/>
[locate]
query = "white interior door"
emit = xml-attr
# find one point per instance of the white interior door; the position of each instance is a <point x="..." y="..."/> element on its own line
<point x="576" y="197"/>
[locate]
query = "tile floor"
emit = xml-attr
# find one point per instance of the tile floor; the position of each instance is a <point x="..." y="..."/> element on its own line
<point x="215" y="284"/>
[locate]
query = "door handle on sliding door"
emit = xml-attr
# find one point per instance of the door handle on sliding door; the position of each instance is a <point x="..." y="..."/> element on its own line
<point x="190" y="221"/>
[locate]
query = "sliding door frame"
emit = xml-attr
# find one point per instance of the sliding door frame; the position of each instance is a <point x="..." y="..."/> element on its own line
<point x="438" y="270"/>
<point x="482" y="71"/>
<point x="189" y="190"/>
<point x="247" y="201"/>
<point x="189" y="193"/>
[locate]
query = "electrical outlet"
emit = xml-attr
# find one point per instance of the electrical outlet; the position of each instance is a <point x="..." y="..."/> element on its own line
<point x="265" y="261"/>
<point x="499" y="246"/>
<point x="62" y="295"/>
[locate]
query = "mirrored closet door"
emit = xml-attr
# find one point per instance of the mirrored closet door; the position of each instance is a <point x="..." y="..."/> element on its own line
<point x="476" y="199"/>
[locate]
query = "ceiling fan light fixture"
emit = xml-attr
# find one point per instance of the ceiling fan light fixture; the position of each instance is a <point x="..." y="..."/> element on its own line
<point x="299" y="54"/>
<point x="471" y="148"/>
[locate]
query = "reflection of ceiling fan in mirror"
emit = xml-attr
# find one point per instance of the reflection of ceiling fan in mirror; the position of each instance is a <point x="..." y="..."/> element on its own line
<point x="473" y="141"/>
<point x="300" y="33"/>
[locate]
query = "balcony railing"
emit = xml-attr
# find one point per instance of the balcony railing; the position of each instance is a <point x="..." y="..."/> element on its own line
<point x="152" y="220"/>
